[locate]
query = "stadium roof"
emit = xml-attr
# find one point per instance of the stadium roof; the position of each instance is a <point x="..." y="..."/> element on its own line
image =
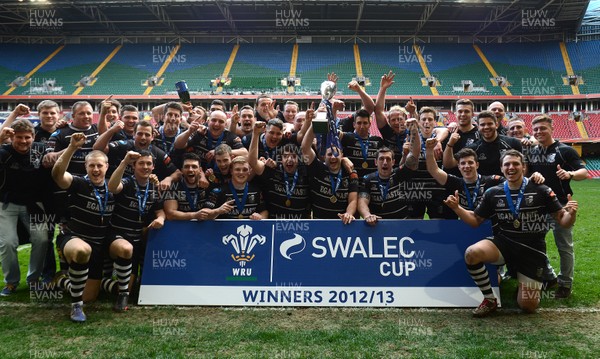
<point x="243" y="18"/>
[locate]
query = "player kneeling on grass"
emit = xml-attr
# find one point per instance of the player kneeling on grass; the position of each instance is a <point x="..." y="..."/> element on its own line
<point x="519" y="210"/>
<point x="137" y="206"/>
<point x="82" y="242"/>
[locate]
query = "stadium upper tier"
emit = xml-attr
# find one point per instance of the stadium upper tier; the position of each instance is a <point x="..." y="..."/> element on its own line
<point x="531" y="69"/>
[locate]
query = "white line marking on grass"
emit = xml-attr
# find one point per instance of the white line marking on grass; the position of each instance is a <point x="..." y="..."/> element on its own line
<point x="25" y="246"/>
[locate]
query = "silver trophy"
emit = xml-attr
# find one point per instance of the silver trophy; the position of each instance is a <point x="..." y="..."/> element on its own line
<point x="328" y="90"/>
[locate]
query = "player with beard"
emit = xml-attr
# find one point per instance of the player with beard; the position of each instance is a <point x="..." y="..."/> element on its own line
<point x="286" y="187"/>
<point x="517" y="209"/>
<point x="144" y="134"/>
<point x="382" y="193"/>
<point x="239" y="198"/>
<point x="334" y="190"/>
<point x="359" y="146"/>
<point x="427" y="194"/>
<point x="559" y="164"/>
<point x="204" y="142"/>
<point x="185" y="200"/>
<point x="137" y="206"/>
<point x="489" y="147"/>
<point x="82" y="241"/>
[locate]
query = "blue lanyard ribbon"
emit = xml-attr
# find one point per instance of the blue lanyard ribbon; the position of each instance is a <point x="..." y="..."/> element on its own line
<point x="102" y="202"/>
<point x="515" y="207"/>
<point x="364" y="146"/>
<point x="472" y="200"/>
<point x="141" y="202"/>
<point x="164" y="138"/>
<point x="240" y="204"/>
<point x="192" y="201"/>
<point x="290" y="190"/>
<point x="383" y="188"/>
<point x="210" y="143"/>
<point x="335" y="182"/>
<point x="266" y="148"/>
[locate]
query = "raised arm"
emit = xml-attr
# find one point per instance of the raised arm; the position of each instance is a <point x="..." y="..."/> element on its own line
<point x="59" y="172"/>
<point x="367" y="101"/>
<point x="235" y="118"/>
<point x="20" y="110"/>
<point x="103" y="140"/>
<point x="448" y="160"/>
<point x="114" y="183"/>
<point x="437" y="173"/>
<point x="307" y="151"/>
<point x="104" y="107"/>
<point x="257" y="166"/>
<point x="387" y="80"/>
<point x="182" y="140"/>
<point x="412" y="159"/>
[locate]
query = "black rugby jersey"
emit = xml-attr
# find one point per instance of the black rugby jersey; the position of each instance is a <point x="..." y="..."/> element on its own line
<point x="118" y="150"/>
<point x="127" y="220"/>
<point x="351" y="146"/>
<point x="489" y="153"/>
<point x="321" y="191"/>
<point x="254" y="200"/>
<point x="399" y="190"/>
<point x="394" y="141"/>
<point x="60" y="140"/>
<point x="202" y="144"/>
<point x="454" y="183"/>
<point x="190" y="200"/>
<point x="273" y="185"/>
<point x="546" y="160"/>
<point x="23" y="179"/>
<point x="89" y="219"/>
<point x="532" y="223"/>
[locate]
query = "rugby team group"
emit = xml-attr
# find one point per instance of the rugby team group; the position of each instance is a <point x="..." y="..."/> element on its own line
<point x="104" y="184"/>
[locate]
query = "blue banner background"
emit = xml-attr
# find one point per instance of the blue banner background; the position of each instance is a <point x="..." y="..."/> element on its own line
<point x="195" y="254"/>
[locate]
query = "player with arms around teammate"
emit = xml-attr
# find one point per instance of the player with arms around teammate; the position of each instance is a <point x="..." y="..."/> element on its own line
<point x="518" y="209"/>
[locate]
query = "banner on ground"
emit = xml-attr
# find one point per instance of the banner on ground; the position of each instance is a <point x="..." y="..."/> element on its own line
<point x="408" y="263"/>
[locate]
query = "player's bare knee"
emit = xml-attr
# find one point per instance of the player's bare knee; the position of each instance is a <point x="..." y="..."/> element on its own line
<point x="472" y="255"/>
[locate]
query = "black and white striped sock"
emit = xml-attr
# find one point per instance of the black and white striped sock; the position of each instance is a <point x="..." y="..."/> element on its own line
<point x="123" y="269"/>
<point x="78" y="273"/>
<point x="480" y="275"/>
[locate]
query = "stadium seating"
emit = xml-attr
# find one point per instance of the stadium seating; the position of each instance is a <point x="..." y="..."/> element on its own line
<point x="584" y="59"/>
<point x="197" y="64"/>
<point x="261" y="66"/>
<point x="19" y="59"/>
<point x="592" y="124"/>
<point x="378" y="59"/>
<point x="452" y="63"/>
<point x="533" y="69"/>
<point x="592" y="164"/>
<point x="315" y="61"/>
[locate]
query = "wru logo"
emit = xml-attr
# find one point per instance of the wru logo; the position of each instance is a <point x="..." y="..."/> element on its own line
<point x="243" y="243"/>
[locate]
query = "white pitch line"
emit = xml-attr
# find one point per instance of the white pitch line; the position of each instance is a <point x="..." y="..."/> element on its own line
<point x="25" y="246"/>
